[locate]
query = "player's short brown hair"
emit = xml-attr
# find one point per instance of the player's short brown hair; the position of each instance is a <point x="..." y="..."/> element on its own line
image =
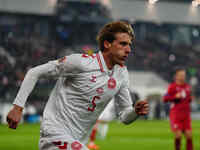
<point x="107" y="33"/>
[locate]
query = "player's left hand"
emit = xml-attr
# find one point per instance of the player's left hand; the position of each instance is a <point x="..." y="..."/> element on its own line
<point x="142" y="107"/>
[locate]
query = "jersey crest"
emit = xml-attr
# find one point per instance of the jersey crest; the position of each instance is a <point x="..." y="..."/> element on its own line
<point x="111" y="83"/>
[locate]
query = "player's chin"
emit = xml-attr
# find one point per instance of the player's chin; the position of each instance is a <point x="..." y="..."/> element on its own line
<point x="121" y="62"/>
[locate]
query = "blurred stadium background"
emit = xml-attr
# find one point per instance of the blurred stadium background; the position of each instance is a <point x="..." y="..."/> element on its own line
<point x="167" y="33"/>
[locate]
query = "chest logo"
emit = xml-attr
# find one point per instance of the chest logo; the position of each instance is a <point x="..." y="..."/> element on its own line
<point x="93" y="79"/>
<point x="111" y="83"/>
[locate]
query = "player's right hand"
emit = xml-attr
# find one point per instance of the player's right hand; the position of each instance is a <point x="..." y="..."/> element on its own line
<point x="142" y="107"/>
<point x="14" y="116"/>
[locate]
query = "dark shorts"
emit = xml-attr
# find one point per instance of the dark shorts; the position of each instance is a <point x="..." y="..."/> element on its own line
<point x="182" y="123"/>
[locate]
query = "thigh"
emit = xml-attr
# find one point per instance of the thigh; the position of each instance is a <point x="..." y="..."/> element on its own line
<point x="176" y="124"/>
<point x="187" y="124"/>
<point x="188" y="134"/>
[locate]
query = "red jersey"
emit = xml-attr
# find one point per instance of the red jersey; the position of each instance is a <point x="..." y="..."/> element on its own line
<point x="179" y="106"/>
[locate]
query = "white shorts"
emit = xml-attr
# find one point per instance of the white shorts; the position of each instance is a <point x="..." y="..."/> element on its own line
<point x="45" y="144"/>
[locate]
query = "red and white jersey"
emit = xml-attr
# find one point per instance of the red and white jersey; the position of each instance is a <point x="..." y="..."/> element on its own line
<point x="179" y="107"/>
<point x="84" y="87"/>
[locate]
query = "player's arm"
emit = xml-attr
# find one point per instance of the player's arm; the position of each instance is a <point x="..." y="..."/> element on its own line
<point x="126" y="112"/>
<point x="171" y="95"/>
<point x="51" y="69"/>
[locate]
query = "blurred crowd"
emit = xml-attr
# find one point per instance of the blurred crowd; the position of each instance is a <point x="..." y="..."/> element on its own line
<point x="17" y="55"/>
<point x="163" y="47"/>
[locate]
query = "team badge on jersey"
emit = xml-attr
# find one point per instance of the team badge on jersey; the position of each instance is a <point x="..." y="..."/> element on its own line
<point x="111" y="83"/>
<point x="93" y="79"/>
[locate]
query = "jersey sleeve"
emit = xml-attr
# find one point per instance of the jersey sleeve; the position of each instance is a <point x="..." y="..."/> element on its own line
<point x="64" y="66"/>
<point x="170" y="95"/>
<point x="56" y="68"/>
<point x="123" y="103"/>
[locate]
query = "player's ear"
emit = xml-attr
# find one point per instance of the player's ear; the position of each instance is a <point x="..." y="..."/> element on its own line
<point x="107" y="44"/>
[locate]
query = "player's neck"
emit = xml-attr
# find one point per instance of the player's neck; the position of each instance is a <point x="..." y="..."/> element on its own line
<point x="108" y="61"/>
<point x="180" y="82"/>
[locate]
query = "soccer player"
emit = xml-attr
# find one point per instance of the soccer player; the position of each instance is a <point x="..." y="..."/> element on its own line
<point x="85" y="85"/>
<point x="179" y="95"/>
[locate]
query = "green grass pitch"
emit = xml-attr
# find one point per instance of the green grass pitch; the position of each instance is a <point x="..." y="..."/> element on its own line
<point x="141" y="135"/>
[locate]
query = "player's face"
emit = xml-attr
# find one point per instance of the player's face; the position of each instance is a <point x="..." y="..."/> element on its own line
<point x="120" y="48"/>
<point x="180" y="76"/>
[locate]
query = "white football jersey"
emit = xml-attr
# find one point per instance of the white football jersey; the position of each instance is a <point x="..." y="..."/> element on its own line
<point x="84" y="87"/>
<point x="109" y="113"/>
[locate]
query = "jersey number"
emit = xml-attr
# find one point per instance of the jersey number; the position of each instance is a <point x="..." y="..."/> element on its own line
<point x="93" y="103"/>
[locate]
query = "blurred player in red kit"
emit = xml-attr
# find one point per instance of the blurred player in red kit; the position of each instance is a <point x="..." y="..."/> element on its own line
<point x="179" y="95"/>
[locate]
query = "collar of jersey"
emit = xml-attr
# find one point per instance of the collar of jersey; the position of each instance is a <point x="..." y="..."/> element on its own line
<point x="102" y="63"/>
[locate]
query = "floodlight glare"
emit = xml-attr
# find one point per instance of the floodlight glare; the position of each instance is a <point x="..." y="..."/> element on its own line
<point x="152" y="1"/>
<point x="195" y="3"/>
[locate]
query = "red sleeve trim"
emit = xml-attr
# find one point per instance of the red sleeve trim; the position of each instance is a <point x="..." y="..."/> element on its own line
<point x="100" y="64"/>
